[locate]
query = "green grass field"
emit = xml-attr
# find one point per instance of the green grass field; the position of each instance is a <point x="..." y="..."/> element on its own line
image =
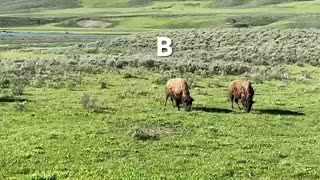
<point x="92" y="107"/>
<point x="137" y="15"/>
<point x="50" y="129"/>
<point x="55" y="137"/>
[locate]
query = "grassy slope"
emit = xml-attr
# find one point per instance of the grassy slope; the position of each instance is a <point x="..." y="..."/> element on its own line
<point x="215" y="16"/>
<point x="182" y="7"/>
<point x="14" y="6"/>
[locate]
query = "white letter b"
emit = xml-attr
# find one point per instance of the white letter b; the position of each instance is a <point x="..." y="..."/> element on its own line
<point x="164" y="46"/>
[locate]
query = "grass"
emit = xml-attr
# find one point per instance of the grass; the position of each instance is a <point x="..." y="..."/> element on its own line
<point x="152" y="22"/>
<point x="132" y="16"/>
<point x="30" y="6"/>
<point x="53" y="29"/>
<point x="56" y="137"/>
<point x="166" y="23"/>
<point x="103" y="4"/>
<point x="17" y="54"/>
<point x="46" y="133"/>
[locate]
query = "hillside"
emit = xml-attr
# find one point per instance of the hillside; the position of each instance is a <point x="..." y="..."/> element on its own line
<point x="146" y="15"/>
<point x="15" y="6"/>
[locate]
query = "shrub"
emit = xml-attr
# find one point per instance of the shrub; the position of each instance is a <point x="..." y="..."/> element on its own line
<point x="160" y="80"/>
<point x="89" y="103"/>
<point x="128" y="75"/>
<point x="4" y="83"/>
<point x="191" y="83"/>
<point x="103" y="85"/>
<point x="307" y="74"/>
<point x="20" y="106"/>
<point x="39" y="81"/>
<point x="44" y="177"/>
<point x="17" y="89"/>
<point x="140" y="134"/>
<point x="139" y="2"/>
<point x="5" y="93"/>
<point x="229" y="3"/>
<point x="268" y="2"/>
<point x="71" y="85"/>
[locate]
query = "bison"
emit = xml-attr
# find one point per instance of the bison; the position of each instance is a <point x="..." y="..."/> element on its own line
<point x="178" y="90"/>
<point x="240" y="89"/>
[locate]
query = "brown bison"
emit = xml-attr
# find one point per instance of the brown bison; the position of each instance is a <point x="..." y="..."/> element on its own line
<point x="240" y="89"/>
<point x="178" y="90"/>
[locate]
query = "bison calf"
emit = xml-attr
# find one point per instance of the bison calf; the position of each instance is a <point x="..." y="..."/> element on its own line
<point x="239" y="89"/>
<point x="178" y="90"/>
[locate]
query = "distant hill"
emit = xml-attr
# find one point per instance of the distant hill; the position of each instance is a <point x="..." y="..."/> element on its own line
<point x="18" y="6"/>
<point x="147" y="15"/>
<point x="12" y="6"/>
<point x="253" y="3"/>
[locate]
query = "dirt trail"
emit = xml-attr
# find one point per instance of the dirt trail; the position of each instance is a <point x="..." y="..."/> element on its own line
<point x="93" y="24"/>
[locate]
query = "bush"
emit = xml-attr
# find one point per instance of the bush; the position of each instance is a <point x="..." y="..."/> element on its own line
<point x="139" y="2"/>
<point x="4" y="83"/>
<point x="268" y="73"/>
<point x="140" y="134"/>
<point x="44" y="177"/>
<point x="247" y="21"/>
<point x="39" y="81"/>
<point x="103" y="85"/>
<point x="89" y="103"/>
<point x="229" y="3"/>
<point x="307" y="74"/>
<point x="17" y="89"/>
<point x="5" y="93"/>
<point x="268" y="2"/>
<point x="20" y="106"/>
<point x="160" y="80"/>
<point x="71" y="85"/>
<point x="128" y="75"/>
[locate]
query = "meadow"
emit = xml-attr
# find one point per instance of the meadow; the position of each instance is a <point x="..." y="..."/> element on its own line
<point x="93" y="107"/>
<point x="129" y="16"/>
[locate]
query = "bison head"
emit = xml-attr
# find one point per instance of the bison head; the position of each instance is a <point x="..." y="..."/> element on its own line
<point x="248" y="104"/>
<point x="247" y="99"/>
<point x="188" y="100"/>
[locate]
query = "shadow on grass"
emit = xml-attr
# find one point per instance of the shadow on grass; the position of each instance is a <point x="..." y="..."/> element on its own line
<point x="134" y="77"/>
<point x="279" y="112"/>
<point x="12" y="99"/>
<point x="212" y="110"/>
<point x="105" y="110"/>
<point x="77" y="90"/>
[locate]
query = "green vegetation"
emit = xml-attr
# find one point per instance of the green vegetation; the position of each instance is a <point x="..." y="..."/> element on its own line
<point x="148" y="15"/>
<point x="231" y="51"/>
<point x="250" y="3"/>
<point x="25" y="21"/>
<point x="93" y="107"/>
<point x="14" y="6"/>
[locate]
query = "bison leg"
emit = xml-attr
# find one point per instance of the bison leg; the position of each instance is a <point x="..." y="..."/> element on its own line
<point x="237" y="101"/>
<point x="172" y="102"/>
<point x="165" y="104"/>
<point x="243" y="104"/>
<point x="231" y="99"/>
<point x="178" y="104"/>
